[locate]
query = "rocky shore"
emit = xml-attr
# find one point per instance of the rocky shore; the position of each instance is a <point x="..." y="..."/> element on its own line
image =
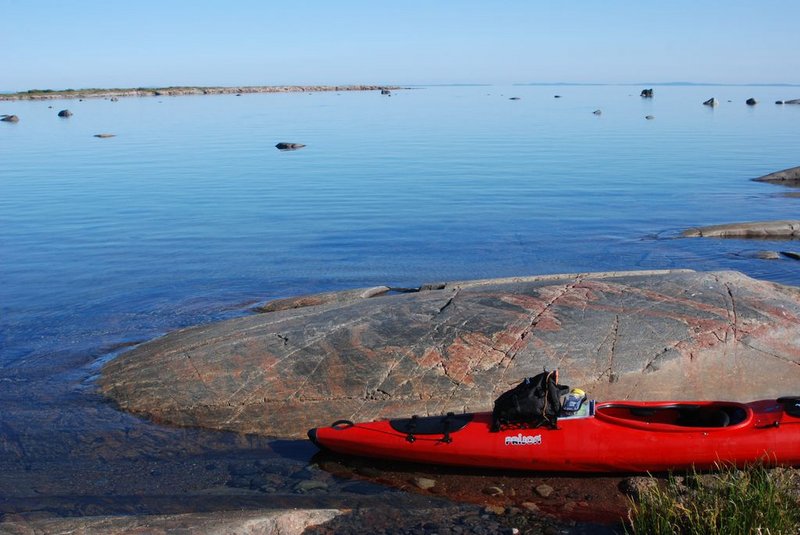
<point x="382" y="351"/>
<point x="48" y="94"/>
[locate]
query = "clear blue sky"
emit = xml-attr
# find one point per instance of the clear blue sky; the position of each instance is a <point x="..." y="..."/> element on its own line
<point x="60" y="44"/>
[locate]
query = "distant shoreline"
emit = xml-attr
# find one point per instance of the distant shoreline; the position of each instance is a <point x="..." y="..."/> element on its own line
<point x="51" y="94"/>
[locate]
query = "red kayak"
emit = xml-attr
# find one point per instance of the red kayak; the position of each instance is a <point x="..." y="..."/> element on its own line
<point x="617" y="436"/>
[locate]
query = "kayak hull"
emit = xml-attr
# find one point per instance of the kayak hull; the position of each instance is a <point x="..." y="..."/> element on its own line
<point x="618" y="437"/>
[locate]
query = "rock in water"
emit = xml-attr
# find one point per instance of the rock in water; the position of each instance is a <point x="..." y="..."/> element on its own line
<point x="789" y="177"/>
<point x="636" y="335"/>
<point x="598" y="112"/>
<point x="791" y="254"/>
<point x="105" y="135"/>
<point x="65" y="113"/>
<point x="9" y="118"/>
<point x="289" y="146"/>
<point x="751" y="102"/>
<point x="711" y="102"/>
<point x="785" y="229"/>
<point x="646" y="93"/>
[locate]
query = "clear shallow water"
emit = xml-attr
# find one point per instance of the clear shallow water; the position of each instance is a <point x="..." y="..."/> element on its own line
<point x="190" y="214"/>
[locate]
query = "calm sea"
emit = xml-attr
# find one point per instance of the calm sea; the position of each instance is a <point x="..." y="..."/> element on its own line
<point x="190" y="214"/>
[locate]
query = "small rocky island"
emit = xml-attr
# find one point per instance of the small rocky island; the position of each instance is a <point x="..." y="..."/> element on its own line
<point x="48" y="94"/>
<point x="375" y="353"/>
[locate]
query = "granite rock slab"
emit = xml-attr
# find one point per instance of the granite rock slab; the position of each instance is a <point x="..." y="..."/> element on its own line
<point x="457" y="346"/>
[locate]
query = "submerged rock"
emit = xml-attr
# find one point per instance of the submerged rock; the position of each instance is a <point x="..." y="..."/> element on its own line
<point x="752" y="229"/>
<point x="768" y="255"/>
<point x="636" y="335"/>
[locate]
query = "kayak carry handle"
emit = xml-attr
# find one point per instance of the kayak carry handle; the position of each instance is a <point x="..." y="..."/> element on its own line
<point x="342" y="424"/>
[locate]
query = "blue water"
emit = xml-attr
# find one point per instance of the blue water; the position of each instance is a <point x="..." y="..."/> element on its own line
<point x="190" y="214"/>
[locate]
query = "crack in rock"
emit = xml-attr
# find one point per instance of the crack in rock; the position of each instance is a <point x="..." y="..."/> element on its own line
<point x="518" y="346"/>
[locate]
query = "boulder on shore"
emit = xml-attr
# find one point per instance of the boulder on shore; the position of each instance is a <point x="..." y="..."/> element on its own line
<point x="789" y="228"/>
<point x="635" y="335"/>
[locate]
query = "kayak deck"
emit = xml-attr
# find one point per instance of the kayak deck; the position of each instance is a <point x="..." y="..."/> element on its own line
<point x="612" y="437"/>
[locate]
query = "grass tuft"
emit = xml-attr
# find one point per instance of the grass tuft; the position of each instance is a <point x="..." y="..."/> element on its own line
<point x="755" y="500"/>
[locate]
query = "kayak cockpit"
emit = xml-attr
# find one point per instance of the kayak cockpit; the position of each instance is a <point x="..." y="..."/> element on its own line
<point x="675" y="416"/>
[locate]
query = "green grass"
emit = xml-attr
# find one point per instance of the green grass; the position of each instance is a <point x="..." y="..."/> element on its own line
<point x="754" y="500"/>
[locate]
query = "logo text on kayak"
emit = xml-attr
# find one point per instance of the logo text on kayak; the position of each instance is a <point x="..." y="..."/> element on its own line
<point x="523" y="440"/>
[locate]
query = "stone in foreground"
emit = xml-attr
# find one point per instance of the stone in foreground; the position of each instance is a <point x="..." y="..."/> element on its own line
<point x="278" y="521"/>
<point x="638" y="335"/>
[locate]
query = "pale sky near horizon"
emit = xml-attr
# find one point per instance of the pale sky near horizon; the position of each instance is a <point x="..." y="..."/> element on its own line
<point x="58" y="44"/>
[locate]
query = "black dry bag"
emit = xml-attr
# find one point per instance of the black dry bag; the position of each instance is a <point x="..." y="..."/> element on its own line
<point x="534" y="402"/>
